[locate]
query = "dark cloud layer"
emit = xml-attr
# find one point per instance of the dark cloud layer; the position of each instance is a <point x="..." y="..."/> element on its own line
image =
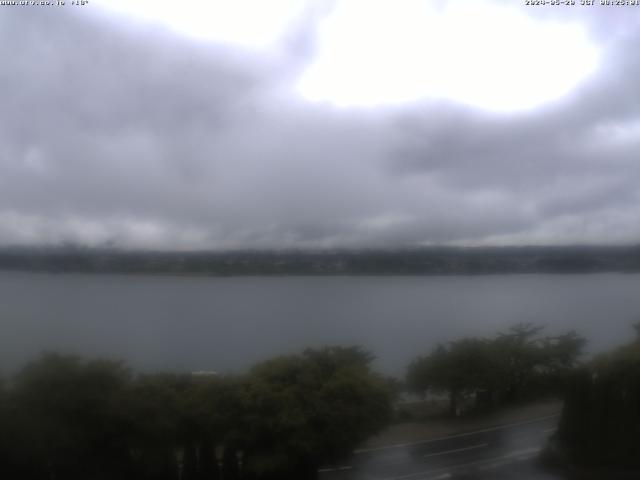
<point x="126" y="134"/>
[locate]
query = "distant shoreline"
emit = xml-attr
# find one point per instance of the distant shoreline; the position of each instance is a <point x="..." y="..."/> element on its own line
<point x="311" y="275"/>
<point x="435" y="261"/>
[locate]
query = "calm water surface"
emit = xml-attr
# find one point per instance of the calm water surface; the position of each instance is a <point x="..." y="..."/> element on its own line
<point x="226" y="324"/>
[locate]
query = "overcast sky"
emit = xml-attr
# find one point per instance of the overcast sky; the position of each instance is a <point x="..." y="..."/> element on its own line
<point x="276" y="124"/>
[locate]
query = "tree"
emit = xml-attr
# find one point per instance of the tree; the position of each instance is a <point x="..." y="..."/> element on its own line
<point x="215" y="420"/>
<point x="600" y="423"/>
<point x="562" y="351"/>
<point x="520" y="353"/>
<point x="156" y="417"/>
<point x="530" y="362"/>
<point x="504" y="368"/>
<point x="303" y="410"/>
<point x="5" y="445"/>
<point x="461" y="368"/>
<point x="69" y="420"/>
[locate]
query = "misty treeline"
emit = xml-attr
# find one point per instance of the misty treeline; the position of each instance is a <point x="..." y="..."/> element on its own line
<point x="66" y="417"/>
<point x="480" y="373"/>
<point x="418" y="261"/>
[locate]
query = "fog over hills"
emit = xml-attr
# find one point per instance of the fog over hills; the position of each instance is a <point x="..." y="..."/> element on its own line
<point x="423" y="261"/>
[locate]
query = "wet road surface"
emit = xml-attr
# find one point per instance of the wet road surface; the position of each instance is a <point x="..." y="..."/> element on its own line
<point x="504" y="452"/>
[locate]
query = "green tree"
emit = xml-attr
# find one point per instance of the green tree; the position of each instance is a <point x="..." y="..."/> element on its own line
<point x="600" y="423"/>
<point x="69" y="418"/>
<point x="532" y="364"/>
<point x="157" y="420"/>
<point x="459" y="369"/>
<point x="520" y="354"/>
<point x="5" y="453"/>
<point x="504" y="368"/>
<point x="303" y="410"/>
<point x="214" y="421"/>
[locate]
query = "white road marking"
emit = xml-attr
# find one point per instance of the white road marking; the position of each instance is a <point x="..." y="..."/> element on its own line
<point x="524" y="437"/>
<point x="334" y="469"/>
<point x="447" y="452"/>
<point x="459" y="435"/>
<point x="441" y="477"/>
<point x="498" y="464"/>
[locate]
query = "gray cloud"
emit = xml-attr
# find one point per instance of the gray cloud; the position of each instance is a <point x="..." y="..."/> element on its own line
<point x="128" y="134"/>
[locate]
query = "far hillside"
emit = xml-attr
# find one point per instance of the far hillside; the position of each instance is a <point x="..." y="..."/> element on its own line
<point x="416" y="261"/>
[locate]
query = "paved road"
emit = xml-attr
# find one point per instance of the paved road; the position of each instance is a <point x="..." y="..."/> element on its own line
<point x="505" y="452"/>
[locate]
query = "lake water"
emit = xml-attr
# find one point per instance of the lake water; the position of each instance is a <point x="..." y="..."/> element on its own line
<point x="227" y="324"/>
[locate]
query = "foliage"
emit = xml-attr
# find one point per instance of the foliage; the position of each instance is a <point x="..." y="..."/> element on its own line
<point x="66" y="417"/>
<point x="600" y="423"/>
<point x="460" y="368"/>
<point x="311" y="408"/>
<point x="502" y="369"/>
